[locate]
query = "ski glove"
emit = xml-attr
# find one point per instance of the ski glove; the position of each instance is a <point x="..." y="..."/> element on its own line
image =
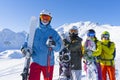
<point x="66" y="42"/>
<point x="50" y="42"/>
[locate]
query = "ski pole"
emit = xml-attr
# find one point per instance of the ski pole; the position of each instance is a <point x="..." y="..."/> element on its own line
<point x="48" y="63"/>
<point x="48" y="59"/>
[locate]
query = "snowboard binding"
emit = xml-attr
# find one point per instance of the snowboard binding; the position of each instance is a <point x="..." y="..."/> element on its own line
<point x="65" y="55"/>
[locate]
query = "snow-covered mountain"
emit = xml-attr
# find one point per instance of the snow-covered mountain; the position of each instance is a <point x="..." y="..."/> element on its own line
<point x="13" y="61"/>
<point x="84" y="26"/>
<point x="11" y="40"/>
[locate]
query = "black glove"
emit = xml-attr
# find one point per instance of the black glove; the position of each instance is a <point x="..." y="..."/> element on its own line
<point x="66" y="42"/>
<point x="50" y="42"/>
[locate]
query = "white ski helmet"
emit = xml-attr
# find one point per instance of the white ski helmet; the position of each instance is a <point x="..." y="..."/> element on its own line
<point x="74" y="30"/>
<point x="46" y="12"/>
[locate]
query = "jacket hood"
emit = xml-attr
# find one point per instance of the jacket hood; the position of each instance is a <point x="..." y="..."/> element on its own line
<point x="44" y="27"/>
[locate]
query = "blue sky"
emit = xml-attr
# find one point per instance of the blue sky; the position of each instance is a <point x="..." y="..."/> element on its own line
<point x="16" y="14"/>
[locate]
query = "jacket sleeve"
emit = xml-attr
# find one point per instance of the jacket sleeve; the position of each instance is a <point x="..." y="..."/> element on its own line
<point x="84" y="52"/>
<point x="108" y="50"/>
<point x="58" y="42"/>
<point x="83" y="49"/>
<point x="98" y="50"/>
<point x="25" y="44"/>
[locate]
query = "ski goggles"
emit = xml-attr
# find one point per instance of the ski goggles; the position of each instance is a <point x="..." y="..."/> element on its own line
<point x="73" y="31"/>
<point x="45" y="17"/>
<point x="91" y="34"/>
<point x="106" y="36"/>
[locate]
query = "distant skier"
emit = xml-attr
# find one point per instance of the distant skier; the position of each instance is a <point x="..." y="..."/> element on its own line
<point x="46" y="40"/>
<point x="74" y="46"/>
<point x="92" y="49"/>
<point x="107" y="57"/>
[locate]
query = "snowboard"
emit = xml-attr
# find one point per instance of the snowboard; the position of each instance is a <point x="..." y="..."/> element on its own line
<point x="64" y="69"/>
<point x="30" y="38"/>
<point x="91" y="71"/>
<point x="89" y="47"/>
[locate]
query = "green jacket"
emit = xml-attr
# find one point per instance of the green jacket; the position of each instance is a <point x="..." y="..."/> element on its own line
<point x="107" y="53"/>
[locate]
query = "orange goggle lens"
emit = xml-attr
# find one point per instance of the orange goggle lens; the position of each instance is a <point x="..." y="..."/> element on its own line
<point x="45" y="17"/>
<point x="73" y="31"/>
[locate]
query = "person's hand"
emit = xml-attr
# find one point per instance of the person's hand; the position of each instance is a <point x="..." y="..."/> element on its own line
<point x="89" y="52"/>
<point x="50" y="42"/>
<point x="25" y="50"/>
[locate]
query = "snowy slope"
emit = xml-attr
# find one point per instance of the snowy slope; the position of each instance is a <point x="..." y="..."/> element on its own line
<point x="12" y="61"/>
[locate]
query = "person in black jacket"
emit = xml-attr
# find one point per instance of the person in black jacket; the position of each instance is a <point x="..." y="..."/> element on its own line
<point x="75" y="48"/>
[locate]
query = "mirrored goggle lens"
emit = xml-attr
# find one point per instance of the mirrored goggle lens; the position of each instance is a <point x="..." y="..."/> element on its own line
<point x="105" y="36"/>
<point x="73" y="31"/>
<point x="91" y="34"/>
<point x="45" y="17"/>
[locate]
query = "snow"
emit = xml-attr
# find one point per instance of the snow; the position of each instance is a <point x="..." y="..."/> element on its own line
<point x="10" y="39"/>
<point x="12" y="60"/>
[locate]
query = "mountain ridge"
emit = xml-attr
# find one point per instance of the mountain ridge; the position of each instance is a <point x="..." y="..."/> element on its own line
<point x="13" y="40"/>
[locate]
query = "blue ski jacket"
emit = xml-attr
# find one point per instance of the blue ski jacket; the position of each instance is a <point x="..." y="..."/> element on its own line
<point x="40" y="49"/>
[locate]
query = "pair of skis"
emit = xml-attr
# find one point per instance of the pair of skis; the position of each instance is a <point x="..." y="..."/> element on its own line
<point x="28" y="53"/>
<point x="25" y="72"/>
